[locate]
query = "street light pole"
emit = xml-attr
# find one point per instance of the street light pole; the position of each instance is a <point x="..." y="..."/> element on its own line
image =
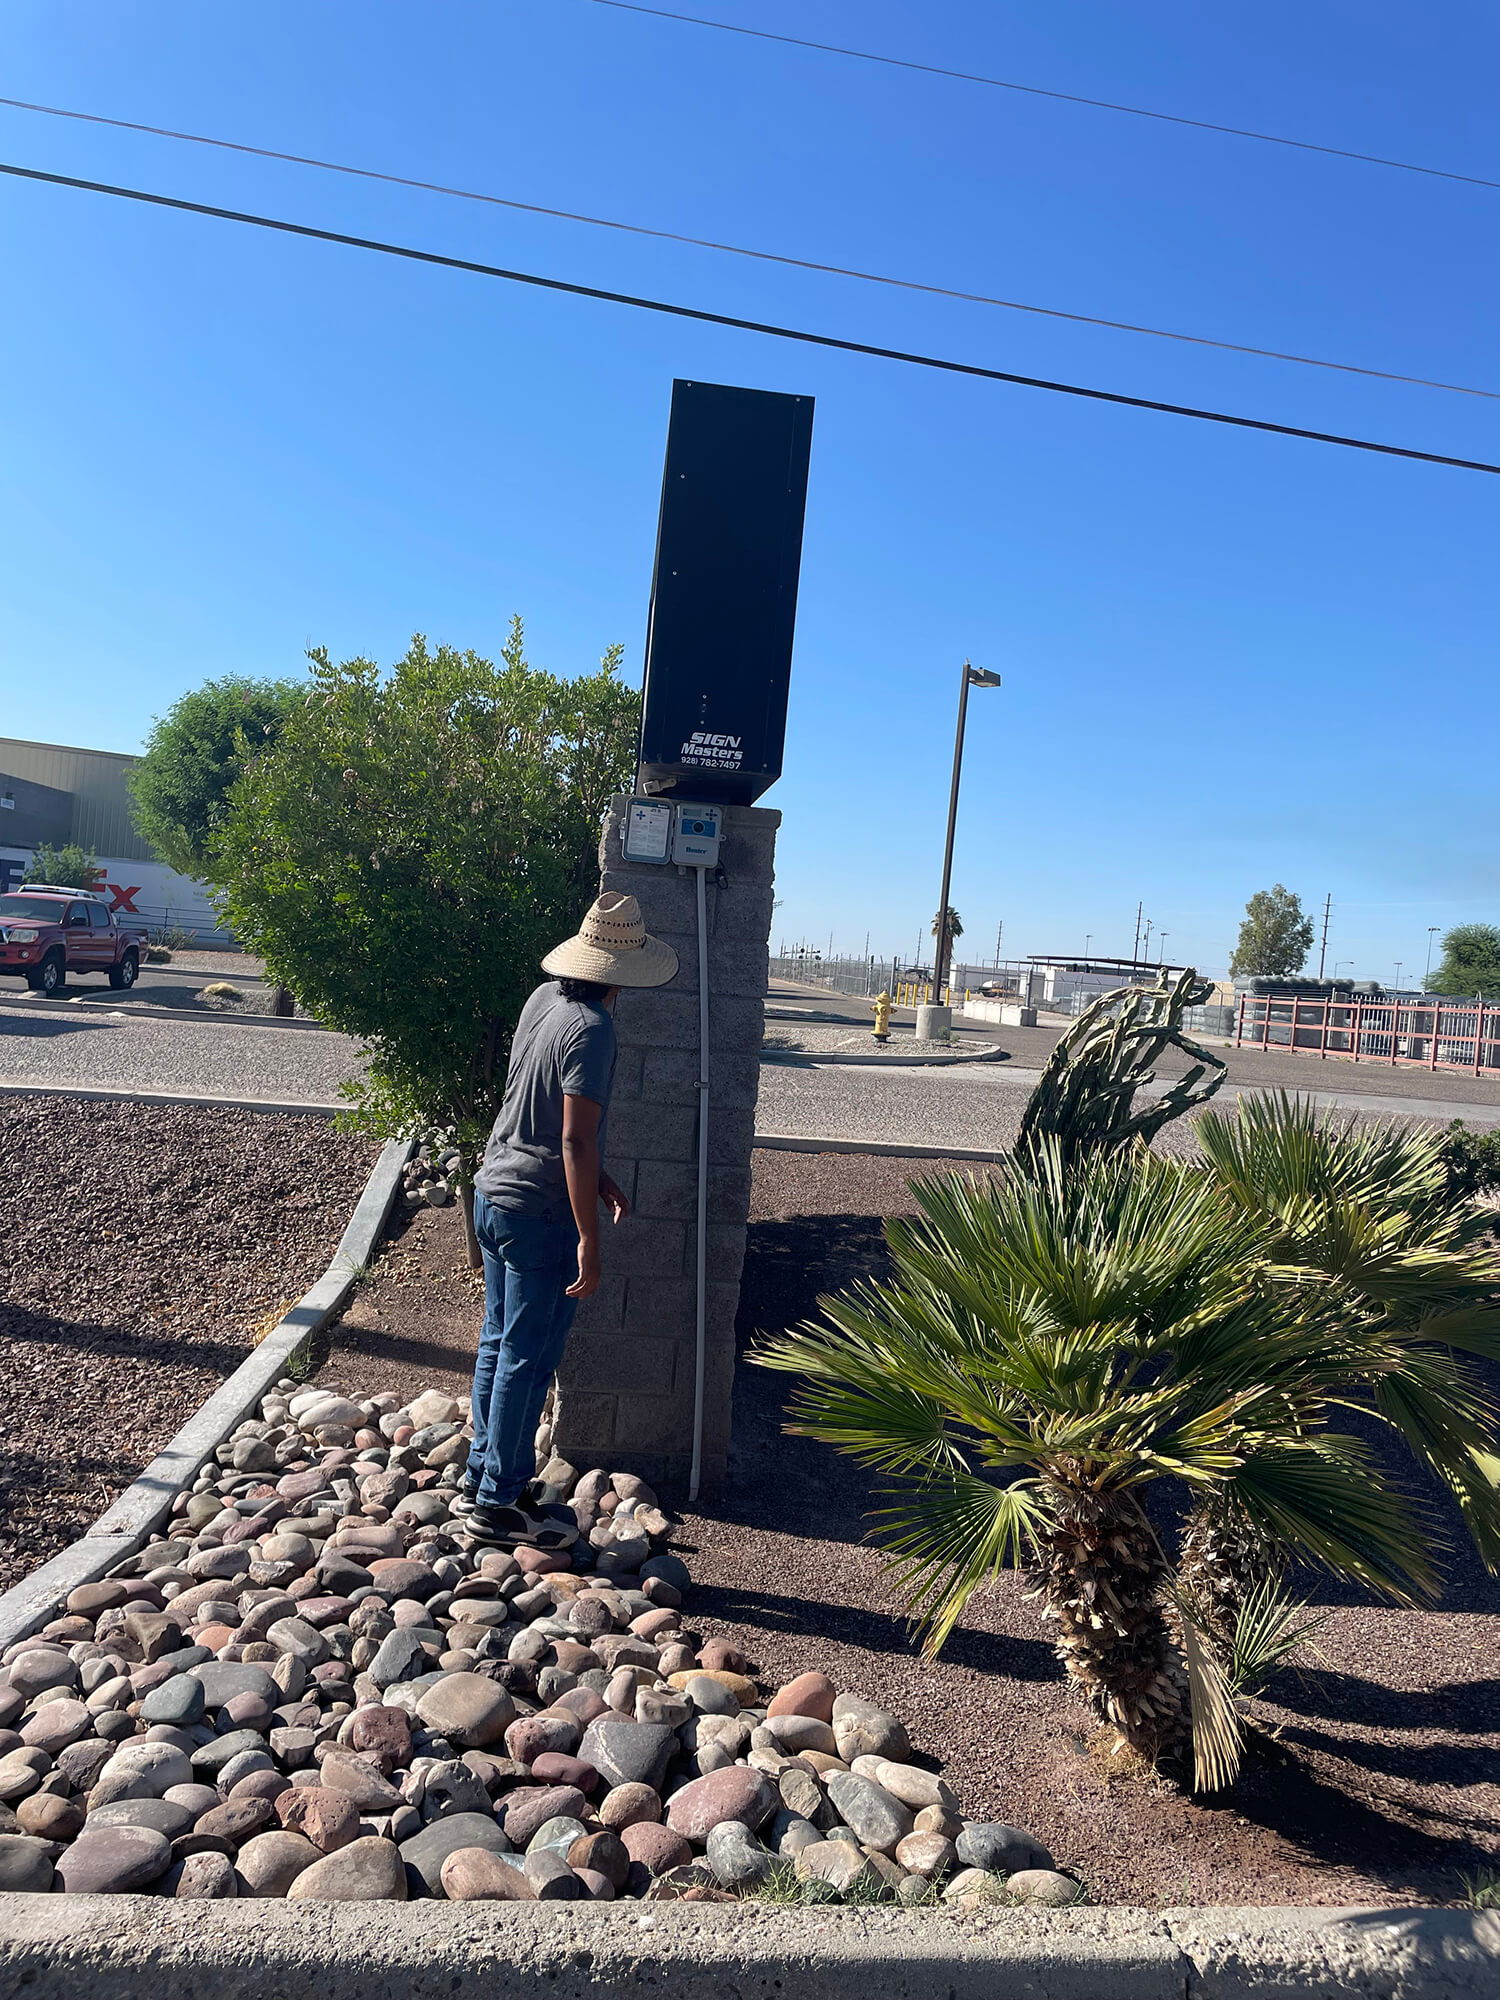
<point x="1432" y="930"/>
<point x="970" y="677"/>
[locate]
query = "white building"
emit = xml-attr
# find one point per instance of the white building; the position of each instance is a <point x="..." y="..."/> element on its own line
<point x="51" y="795"/>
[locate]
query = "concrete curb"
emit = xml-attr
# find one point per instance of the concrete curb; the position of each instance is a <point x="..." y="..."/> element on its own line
<point x="122" y="1528"/>
<point x="827" y="1058"/>
<point x="147" y="1948"/>
<point x="105" y="1093"/>
<point x="885" y="1149"/>
<point x="88" y="1004"/>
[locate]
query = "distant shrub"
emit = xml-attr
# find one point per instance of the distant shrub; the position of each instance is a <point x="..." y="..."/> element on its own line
<point x="1472" y="1161"/>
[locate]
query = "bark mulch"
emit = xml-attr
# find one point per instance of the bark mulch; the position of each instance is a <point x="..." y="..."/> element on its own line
<point x="143" y="1248"/>
<point x="1382" y="1783"/>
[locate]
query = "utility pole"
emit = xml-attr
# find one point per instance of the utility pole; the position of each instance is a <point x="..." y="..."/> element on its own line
<point x="999" y="933"/>
<point x="1150" y="927"/>
<point x="1399" y="963"/>
<point x="1323" y="953"/>
<point x="1161" y="947"/>
<point x="1135" y="949"/>
<point x="970" y="677"/>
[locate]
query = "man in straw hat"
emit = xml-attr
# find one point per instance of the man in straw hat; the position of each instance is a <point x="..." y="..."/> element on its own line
<point x="537" y="1198"/>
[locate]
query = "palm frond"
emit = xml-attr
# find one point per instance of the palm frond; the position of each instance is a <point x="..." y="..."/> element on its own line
<point x="1218" y="1738"/>
<point x="1324" y="1498"/>
<point x="1271" y="1625"/>
<point x="948" y="1536"/>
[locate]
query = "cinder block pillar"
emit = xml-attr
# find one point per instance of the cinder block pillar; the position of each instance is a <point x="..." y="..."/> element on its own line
<point x="627" y="1378"/>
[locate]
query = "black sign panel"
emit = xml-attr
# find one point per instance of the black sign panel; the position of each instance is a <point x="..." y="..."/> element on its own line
<point x="724" y="595"/>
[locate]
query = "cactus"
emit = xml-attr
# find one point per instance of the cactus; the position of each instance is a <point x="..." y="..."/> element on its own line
<point x="1085" y="1099"/>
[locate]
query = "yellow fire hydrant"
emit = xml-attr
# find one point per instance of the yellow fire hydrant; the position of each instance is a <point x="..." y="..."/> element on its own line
<point x="882" y="1006"/>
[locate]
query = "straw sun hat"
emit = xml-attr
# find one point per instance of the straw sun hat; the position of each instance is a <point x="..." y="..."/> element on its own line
<point x="613" y="948"/>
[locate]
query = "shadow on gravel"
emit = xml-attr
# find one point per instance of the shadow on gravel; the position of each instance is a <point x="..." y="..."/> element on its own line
<point x="46" y="1027"/>
<point x="876" y="1631"/>
<point x="1383" y="1838"/>
<point x="177" y="1350"/>
<point x="1464" y="1707"/>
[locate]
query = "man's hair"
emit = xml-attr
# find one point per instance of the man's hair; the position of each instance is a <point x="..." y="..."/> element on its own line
<point x="591" y="990"/>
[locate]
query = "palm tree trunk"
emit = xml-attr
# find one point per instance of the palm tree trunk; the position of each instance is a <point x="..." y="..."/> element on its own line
<point x="1221" y="1561"/>
<point x="1101" y="1573"/>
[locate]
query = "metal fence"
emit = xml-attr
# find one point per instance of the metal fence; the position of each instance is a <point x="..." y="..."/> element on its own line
<point x="1213" y="1020"/>
<point x="1391" y="1028"/>
<point x="861" y="977"/>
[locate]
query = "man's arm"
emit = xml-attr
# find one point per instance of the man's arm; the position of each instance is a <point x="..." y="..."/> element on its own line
<point x="580" y="1152"/>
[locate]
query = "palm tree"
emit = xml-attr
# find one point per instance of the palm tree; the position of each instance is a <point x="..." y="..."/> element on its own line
<point x="1362" y="1215"/>
<point x="1053" y="1343"/>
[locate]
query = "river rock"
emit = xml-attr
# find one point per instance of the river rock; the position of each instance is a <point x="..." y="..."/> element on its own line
<point x="1000" y="1849"/>
<point x="168" y="1817"/>
<point x="468" y="1709"/>
<point x="524" y="1811"/>
<point x="53" y="1725"/>
<point x="551" y="1879"/>
<point x="736" y="1857"/>
<point x="425" y="1853"/>
<point x="629" y="1753"/>
<point x="204" y="1878"/>
<point x="840" y="1863"/>
<point x="738" y="1794"/>
<point x="39" y="1668"/>
<point x="141" y="1771"/>
<point x="629" y="1805"/>
<point x="113" y="1861"/>
<point x="1045" y="1886"/>
<point x="658" y="1848"/>
<point x="25" y="1865"/>
<point x="910" y="1784"/>
<point x="49" y="1816"/>
<point x="358" y="1778"/>
<point x="479" y="1875"/>
<point x="369" y="1870"/>
<point x="268" y="1865"/>
<point x="862" y="1730"/>
<point x="180" y="1701"/>
<point x="877" y="1818"/>
<point x="221" y="1680"/>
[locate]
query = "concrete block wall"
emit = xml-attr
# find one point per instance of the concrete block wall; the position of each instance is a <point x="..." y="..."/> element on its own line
<point x="626" y="1384"/>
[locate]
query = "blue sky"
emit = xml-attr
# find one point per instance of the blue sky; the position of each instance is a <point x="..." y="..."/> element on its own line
<point x="1229" y="659"/>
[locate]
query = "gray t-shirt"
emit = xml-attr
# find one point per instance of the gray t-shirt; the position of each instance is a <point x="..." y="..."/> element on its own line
<point x="561" y="1048"/>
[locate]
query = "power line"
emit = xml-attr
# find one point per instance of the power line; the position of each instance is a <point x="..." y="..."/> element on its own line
<point x="1061" y="96"/>
<point x="740" y="250"/>
<point x="744" y="325"/>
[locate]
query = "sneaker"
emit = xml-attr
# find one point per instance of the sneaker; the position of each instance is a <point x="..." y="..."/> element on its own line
<point x="518" y="1527"/>
<point x="465" y="1498"/>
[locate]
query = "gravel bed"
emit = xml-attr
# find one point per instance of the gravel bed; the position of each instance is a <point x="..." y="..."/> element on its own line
<point x="316" y="1685"/>
<point x="1383" y="1786"/>
<point x="141" y="1249"/>
<point x="85" y="1047"/>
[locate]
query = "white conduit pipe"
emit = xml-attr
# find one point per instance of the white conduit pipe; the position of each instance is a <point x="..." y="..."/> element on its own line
<point x="702" y="1260"/>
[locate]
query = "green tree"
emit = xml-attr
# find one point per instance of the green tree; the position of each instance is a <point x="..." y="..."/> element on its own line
<point x="1471" y="962"/>
<point x="194" y="754"/>
<point x="1052" y="1344"/>
<point x="1275" y="937"/>
<point x="66" y="867"/>
<point x="955" y="925"/>
<point x="408" y="849"/>
<point x="1369" y="1215"/>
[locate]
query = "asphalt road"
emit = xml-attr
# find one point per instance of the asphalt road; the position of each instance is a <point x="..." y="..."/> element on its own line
<point x="93" y="1044"/>
<point x="203" y="1055"/>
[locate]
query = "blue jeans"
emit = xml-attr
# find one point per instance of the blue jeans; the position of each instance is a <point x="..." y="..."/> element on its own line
<point x="529" y="1261"/>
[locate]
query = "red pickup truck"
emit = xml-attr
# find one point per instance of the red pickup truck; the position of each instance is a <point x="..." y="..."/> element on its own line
<point x="46" y="933"/>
